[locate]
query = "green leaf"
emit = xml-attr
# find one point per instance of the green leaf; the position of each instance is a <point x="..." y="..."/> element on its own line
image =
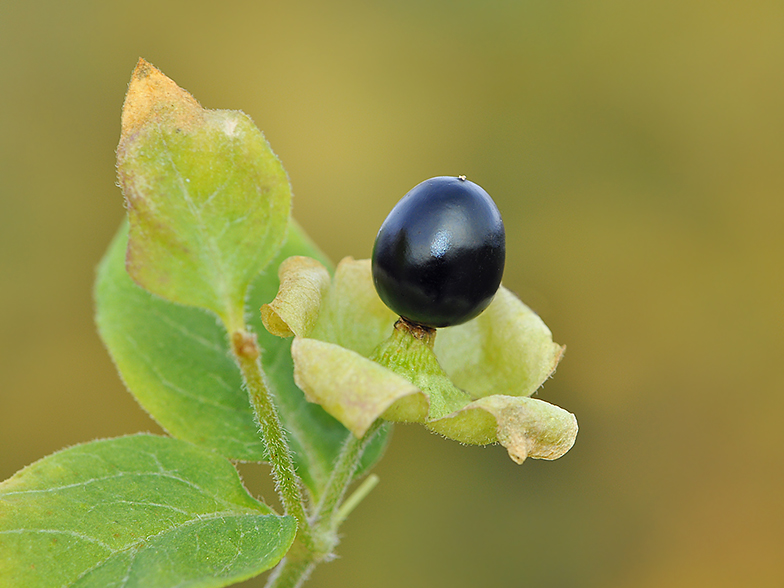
<point x="208" y="200"/>
<point x="141" y="511"/>
<point x="176" y="361"/>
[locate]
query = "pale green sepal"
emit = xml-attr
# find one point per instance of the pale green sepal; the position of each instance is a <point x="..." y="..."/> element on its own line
<point x="408" y="409"/>
<point x="303" y="283"/>
<point x="352" y="315"/>
<point x="526" y="427"/>
<point x="353" y="389"/>
<point x="208" y="200"/>
<point x="140" y="511"/>
<point x="505" y="350"/>
<point x="472" y="384"/>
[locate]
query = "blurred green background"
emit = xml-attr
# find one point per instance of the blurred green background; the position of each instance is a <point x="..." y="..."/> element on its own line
<point x="636" y="151"/>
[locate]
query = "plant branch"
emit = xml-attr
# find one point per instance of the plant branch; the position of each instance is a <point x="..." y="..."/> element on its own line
<point x="350" y="503"/>
<point x="247" y="353"/>
<point x="293" y="570"/>
<point x="317" y="536"/>
<point x="342" y="474"/>
<point x="299" y="562"/>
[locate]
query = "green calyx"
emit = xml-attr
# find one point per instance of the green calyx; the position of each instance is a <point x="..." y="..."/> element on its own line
<point x="472" y="385"/>
<point x="409" y="352"/>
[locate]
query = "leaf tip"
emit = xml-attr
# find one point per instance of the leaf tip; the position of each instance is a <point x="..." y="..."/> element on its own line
<point x="143" y="68"/>
<point x="150" y="94"/>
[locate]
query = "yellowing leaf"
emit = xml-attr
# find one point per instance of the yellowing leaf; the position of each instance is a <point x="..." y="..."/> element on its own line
<point x="208" y="201"/>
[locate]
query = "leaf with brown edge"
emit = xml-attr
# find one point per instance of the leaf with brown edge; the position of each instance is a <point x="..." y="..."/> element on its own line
<point x="208" y="201"/>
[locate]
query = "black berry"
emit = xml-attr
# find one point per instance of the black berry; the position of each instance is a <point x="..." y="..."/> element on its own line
<point x="439" y="255"/>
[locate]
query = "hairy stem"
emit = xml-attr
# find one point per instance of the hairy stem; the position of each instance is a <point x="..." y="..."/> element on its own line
<point x="342" y="474"/>
<point x="293" y="570"/>
<point x="247" y="353"/>
<point x="299" y="562"/>
<point x="317" y="536"/>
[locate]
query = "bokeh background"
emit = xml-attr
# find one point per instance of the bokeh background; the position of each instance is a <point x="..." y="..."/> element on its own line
<point x="636" y="151"/>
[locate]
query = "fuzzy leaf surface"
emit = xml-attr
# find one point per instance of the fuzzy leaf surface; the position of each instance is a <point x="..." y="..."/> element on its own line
<point x="136" y="511"/>
<point x="208" y="200"/>
<point x="176" y="361"/>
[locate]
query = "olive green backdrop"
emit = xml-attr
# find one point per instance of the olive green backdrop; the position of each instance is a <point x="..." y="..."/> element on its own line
<point x="636" y="151"/>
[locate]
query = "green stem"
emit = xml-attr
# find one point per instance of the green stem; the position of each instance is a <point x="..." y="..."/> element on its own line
<point x="293" y="570"/>
<point x="246" y="351"/>
<point x="350" y="503"/>
<point x="317" y="537"/>
<point x="299" y="562"/>
<point x="341" y="477"/>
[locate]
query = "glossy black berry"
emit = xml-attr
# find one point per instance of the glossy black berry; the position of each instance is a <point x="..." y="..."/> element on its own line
<point x="439" y="256"/>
